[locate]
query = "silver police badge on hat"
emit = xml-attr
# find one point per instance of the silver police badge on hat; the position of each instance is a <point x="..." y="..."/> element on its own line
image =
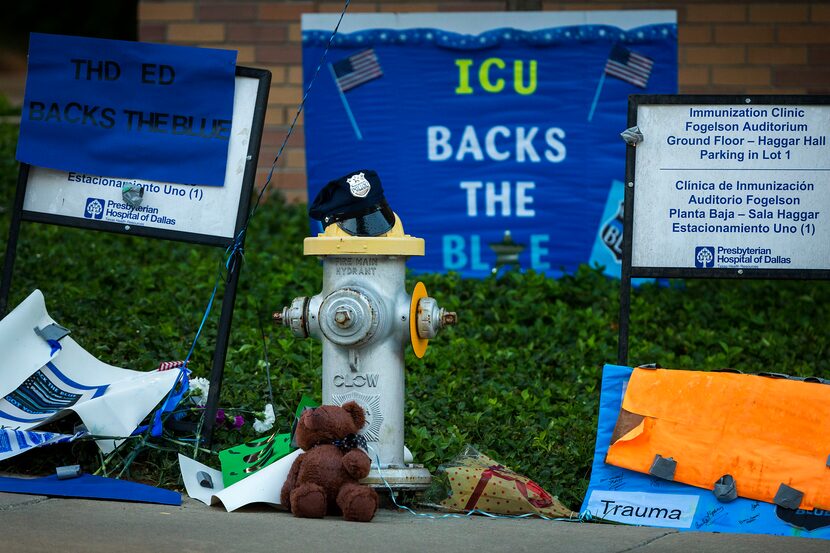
<point x="358" y="185"/>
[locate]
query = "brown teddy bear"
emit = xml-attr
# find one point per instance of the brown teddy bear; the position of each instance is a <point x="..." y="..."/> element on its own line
<point x="324" y="479"/>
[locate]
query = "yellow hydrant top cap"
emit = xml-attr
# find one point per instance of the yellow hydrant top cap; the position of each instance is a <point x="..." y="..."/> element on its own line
<point x="336" y="241"/>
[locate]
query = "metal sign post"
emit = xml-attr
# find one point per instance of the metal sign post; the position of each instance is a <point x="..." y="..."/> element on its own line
<point x="733" y="187"/>
<point x="193" y="214"/>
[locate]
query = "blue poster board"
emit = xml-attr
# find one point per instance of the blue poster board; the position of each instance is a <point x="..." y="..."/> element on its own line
<point x="484" y="124"/>
<point x="630" y="497"/>
<point x="128" y="109"/>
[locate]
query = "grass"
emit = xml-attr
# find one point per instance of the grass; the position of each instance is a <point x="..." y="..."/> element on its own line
<point x="519" y="376"/>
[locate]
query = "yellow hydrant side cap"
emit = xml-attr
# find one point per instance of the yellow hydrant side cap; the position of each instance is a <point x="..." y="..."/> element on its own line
<point x="336" y="241"/>
<point x="419" y="345"/>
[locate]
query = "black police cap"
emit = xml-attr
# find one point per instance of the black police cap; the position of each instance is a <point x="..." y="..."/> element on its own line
<point x="356" y="203"/>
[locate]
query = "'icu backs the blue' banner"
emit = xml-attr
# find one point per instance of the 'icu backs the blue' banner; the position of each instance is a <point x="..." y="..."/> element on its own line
<point x="494" y="134"/>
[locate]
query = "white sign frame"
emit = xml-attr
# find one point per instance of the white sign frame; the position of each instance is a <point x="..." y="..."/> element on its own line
<point x="737" y="186"/>
<point x="210" y="215"/>
<point x="657" y="256"/>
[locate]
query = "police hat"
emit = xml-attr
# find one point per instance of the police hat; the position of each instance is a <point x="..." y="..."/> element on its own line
<point x="356" y="203"/>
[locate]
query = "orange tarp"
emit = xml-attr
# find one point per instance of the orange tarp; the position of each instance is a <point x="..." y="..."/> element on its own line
<point x="763" y="431"/>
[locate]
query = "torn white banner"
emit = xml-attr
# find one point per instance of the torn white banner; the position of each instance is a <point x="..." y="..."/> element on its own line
<point x="24" y="352"/>
<point x="40" y="383"/>
<point x="263" y="486"/>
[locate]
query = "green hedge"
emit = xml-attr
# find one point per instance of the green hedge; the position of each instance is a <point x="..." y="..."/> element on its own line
<point x="519" y="376"/>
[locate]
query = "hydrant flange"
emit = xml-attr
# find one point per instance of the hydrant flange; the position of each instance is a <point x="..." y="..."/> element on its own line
<point x="348" y="318"/>
<point x="295" y="317"/>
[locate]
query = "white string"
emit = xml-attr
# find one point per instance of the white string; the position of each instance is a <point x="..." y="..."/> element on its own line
<point x="583" y="517"/>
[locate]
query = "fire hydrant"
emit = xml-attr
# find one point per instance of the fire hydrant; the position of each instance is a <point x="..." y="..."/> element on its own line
<point x="365" y="319"/>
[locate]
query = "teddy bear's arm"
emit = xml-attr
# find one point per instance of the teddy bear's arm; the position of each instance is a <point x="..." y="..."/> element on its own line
<point x="357" y="464"/>
<point x="291" y="481"/>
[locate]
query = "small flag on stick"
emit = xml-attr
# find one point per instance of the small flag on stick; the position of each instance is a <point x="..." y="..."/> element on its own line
<point x="629" y="66"/>
<point x="357" y="70"/>
<point x="625" y="65"/>
<point x="352" y="72"/>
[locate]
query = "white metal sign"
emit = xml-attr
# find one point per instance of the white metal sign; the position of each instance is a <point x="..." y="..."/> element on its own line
<point x="205" y="210"/>
<point x="732" y="186"/>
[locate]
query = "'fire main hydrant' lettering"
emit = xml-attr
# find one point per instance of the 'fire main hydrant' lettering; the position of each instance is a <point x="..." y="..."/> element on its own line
<point x="356" y="266"/>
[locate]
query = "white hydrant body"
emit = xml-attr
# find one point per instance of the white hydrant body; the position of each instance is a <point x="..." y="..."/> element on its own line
<point x="371" y="371"/>
<point x="365" y="319"/>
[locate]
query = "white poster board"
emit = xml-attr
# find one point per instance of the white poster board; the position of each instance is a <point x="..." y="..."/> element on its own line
<point x="740" y="186"/>
<point x="200" y="210"/>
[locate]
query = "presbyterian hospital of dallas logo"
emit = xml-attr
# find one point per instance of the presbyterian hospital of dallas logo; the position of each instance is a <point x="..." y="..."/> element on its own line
<point x="94" y="208"/>
<point x="704" y="257"/>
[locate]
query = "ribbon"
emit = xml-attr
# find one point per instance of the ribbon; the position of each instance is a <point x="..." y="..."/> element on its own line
<point x="350" y="442"/>
<point x="544" y="499"/>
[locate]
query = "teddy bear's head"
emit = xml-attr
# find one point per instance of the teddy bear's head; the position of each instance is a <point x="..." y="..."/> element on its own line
<point x="328" y="423"/>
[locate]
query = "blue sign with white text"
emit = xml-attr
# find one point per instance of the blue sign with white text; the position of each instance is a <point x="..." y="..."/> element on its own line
<point x="487" y="144"/>
<point x="128" y="109"/>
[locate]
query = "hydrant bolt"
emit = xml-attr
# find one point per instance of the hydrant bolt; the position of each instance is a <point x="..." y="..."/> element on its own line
<point x="343" y="317"/>
<point x="448" y="318"/>
<point x="278" y="317"/>
<point x="432" y="318"/>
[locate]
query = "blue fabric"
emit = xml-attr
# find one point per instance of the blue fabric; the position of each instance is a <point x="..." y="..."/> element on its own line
<point x="627" y="496"/>
<point x="559" y="166"/>
<point x="89" y="103"/>
<point x="88" y="486"/>
<point x="173" y="398"/>
<point x="54" y="345"/>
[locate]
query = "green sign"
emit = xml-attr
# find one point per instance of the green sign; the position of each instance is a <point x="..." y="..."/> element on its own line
<point x="243" y="460"/>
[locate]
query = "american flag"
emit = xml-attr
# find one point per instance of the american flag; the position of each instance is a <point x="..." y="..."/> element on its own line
<point x="167" y="365"/>
<point x="629" y="66"/>
<point x="356" y="70"/>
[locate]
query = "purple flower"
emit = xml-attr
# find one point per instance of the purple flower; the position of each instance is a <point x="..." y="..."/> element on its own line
<point x="220" y="416"/>
<point x="238" y="421"/>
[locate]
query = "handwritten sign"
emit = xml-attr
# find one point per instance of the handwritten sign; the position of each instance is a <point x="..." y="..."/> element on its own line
<point x="128" y="109"/>
<point x="203" y="212"/>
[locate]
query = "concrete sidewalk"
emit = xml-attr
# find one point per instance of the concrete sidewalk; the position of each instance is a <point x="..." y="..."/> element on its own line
<point x="38" y="524"/>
